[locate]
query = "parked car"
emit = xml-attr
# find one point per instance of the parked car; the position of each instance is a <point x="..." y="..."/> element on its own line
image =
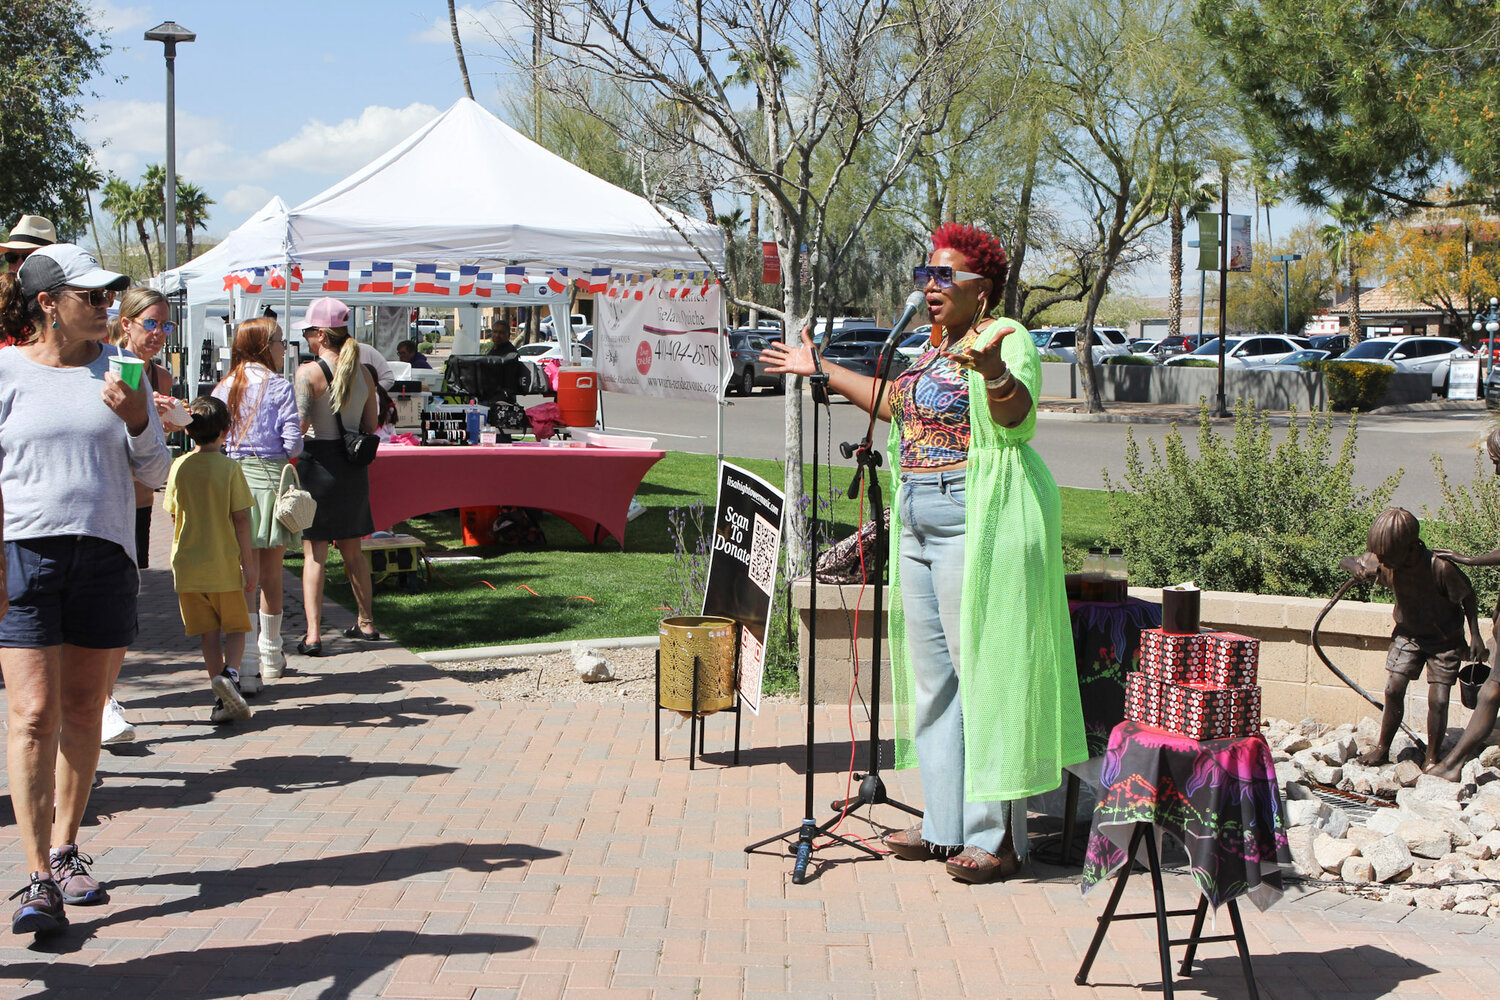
<point x="428" y="329"/>
<point x="914" y="344"/>
<point x="544" y="349"/>
<point x="1490" y="347"/>
<point x="1142" y="346"/>
<point x="1491" y="388"/>
<point x="549" y="328"/>
<point x="1168" y="347"/>
<point x="859" y="350"/>
<point x="1429" y="355"/>
<point x="1334" y="343"/>
<point x="746" y="370"/>
<point x="838" y="325"/>
<point x="1293" y="362"/>
<point x="1061" y="341"/>
<point x="1257" y="351"/>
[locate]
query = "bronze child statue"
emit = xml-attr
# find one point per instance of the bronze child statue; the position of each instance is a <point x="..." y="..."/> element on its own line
<point x="1433" y="600"/>
<point x="1483" y="719"/>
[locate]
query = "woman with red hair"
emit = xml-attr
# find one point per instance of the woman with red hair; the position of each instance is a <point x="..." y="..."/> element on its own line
<point x="986" y="692"/>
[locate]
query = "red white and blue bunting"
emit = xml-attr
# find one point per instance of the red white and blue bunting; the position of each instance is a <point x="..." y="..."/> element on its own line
<point x="470" y="281"/>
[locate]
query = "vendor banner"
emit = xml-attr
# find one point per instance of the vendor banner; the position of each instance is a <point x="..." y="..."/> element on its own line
<point x="742" y="567"/>
<point x="662" y="340"/>
<point x="1239" y="243"/>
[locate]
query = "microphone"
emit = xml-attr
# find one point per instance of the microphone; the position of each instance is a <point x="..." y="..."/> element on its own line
<point x="914" y="301"/>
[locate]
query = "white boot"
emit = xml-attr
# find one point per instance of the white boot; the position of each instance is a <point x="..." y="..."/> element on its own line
<point x="272" y="660"/>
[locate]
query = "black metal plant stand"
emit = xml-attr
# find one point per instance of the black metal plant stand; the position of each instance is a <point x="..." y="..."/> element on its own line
<point x="698" y="722"/>
<point x="1164" y="941"/>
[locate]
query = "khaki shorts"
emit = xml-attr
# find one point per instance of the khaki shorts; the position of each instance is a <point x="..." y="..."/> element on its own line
<point x="1408" y="656"/>
<point x="224" y="610"/>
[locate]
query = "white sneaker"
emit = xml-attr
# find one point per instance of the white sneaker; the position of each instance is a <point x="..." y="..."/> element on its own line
<point x="231" y="704"/>
<point x="114" y="728"/>
<point x="250" y="684"/>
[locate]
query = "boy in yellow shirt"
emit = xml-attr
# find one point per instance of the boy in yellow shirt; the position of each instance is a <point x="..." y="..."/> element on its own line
<point x="213" y="565"/>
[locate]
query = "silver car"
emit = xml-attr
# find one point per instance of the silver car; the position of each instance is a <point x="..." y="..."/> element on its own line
<point x="1431" y="355"/>
<point x="1062" y="342"/>
<point x="1259" y="351"/>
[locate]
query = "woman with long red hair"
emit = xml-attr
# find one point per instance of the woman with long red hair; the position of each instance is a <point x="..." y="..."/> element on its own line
<point x="264" y="435"/>
<point x="985" y="689"/>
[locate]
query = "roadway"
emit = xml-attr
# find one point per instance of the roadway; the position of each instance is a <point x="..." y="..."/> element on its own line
<point x="1078" y="451"/>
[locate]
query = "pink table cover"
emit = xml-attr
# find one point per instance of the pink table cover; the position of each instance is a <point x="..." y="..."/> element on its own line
<point x="591" y="488"/>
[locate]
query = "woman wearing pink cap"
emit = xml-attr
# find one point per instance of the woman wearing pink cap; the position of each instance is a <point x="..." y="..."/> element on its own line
<point x="334" y="393"/>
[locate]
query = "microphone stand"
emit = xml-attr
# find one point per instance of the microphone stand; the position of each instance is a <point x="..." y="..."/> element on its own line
<point x="810" y="828"/>
<point x="867" y="461"/>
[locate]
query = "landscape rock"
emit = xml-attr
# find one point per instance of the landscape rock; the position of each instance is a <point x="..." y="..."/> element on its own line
<point x="1357" y="870"/>
<point x="1311" y="727"/>
<point x="1436" y="899"/>
<point x="1305" y="812"/>
<point x="1471" y="772"/>
<point x="1331" y="853"/>
<point x="1401" y="897"/>
<point x="1288" y="773"/>
<point x="1488" y="869"/>
<point x="1491" y="841"/>
<point x="1368" y="731"/>
<point x="1445" y="796"/>
<point x="592" y="667"/>
<point x="1385" y="821"/>
<point x="1388" y="856"/>
<point x="1481" y="823"/>
<point x="1463" y="892"/>
<point x="1299" y="842"/>
<point x="1316" y="768"/>
<point x="1477" y="851"/>
<point x="1406" y="773"/>
<point x="1335" y="752"/>
<point x="1384" y="786"/>
<point x="1359" y="836"/>
<point x="1293" y="742"/>
<point x="1474" y="907"/>
<point x="1490" y="756"/>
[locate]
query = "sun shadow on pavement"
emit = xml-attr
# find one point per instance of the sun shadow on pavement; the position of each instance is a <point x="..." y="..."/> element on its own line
<point x="351" y="963"/>
<point x="1364" y="972"/>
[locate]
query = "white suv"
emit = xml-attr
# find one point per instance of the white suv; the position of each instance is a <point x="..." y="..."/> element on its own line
<point x="1411" y="354"/>
<point x="1062" y="342"/>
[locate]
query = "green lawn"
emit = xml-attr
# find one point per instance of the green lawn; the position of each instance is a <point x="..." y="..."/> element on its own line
<point x="574" y="590"/>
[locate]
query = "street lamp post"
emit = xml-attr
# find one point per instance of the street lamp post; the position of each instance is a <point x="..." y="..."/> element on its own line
<point x="169" y="33"/>
<point x="1488" y="323"/>
<point x="1285" y="260"/>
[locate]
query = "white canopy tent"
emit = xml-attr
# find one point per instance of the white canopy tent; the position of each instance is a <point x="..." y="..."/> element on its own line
<point x="465" y="189"/>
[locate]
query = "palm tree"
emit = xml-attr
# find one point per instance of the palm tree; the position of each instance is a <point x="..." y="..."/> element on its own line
<point x="140" y="209"/>
<point x="154" y="187"/>
<point x="118" y="195"/>
<point x="86" y="180"/>
<point x="458" y="47"/>
<point x="1190" y="192"/>
<point x="1353" y="217"/>
<point x="192" y="211"/>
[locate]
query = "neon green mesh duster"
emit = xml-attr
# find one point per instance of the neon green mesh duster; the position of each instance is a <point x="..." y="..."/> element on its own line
<point x="1017" y="676"/>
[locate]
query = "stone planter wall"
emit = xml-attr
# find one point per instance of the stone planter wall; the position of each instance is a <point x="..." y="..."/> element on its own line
<point x="1294" y="682"/>
<point x="1176" y="385"/>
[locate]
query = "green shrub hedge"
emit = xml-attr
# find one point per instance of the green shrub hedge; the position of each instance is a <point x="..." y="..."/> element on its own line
<point x="1355" y="385"/>
<point x="1053" y="359"/>
<point x="1195" y="363"/>
<point x="1130" y="359"/>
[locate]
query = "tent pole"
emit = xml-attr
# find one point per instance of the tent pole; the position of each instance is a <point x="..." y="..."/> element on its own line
<point x="723" y="360"/>
<point x="289" y="357"/>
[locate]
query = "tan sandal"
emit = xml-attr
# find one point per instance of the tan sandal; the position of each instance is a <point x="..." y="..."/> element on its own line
<point x="975" y="865"/>
<point x="907" y="844"/>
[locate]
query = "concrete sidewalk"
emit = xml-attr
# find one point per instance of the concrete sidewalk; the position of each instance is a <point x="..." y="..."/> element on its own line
<point x="376" y="830"/>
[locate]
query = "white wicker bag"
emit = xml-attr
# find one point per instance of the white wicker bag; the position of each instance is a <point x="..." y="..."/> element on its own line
<point x="295" y="507"/>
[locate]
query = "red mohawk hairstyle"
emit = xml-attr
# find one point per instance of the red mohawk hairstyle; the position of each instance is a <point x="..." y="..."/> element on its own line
<point x="983" y="253"/>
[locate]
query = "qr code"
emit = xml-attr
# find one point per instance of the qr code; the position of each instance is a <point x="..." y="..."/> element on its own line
<point x="763" y="543"/>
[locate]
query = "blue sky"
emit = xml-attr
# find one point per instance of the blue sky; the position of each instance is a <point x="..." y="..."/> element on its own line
<point x="279" y="97"/>
<point x="287" y="98"/>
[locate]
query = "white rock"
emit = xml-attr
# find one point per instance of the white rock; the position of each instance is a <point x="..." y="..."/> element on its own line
<point x="1491" y="841"/>
<point x="1357" y="870"/>
<point x="1481" y="823"/>
<point x="1401" y="897"/>
<point x="1311" y="727"/>
<point x="1316" y="768"/>
<point x="1299" y="843"/>
<point x="1368" y="731"/>
<point x="1470" y="773"/>
<point x="1406" y="773"/>
<point x="1457" y="867"/>
<point x="1495" y="899"/>
<point x="1288" y="774"/>
<point x="1388" y="856"/>
<point x="1463" y="892"/>
<point x="1384" y="786"/>
<point x="1442" y="788"/>
<point x="1293" y="743"/>
<point x="1359" y="836"/>
<point x="1490" y="756"/>
<point x="1435" y="899"/>
<point x="1475" y="907"/>
<point x="1489" y="869"/>
<point x="1331" y="853"/>
<point x="591" y="666"/>
<point x="1445" y="797"/>
<point x="1385" y="821"/>
<point x="1477" y="851"/>
<point x="1335" y="752"/>
<point x="1305" y="812"/>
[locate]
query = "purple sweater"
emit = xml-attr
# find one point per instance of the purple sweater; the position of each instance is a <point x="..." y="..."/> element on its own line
<point x="272" y="430"/>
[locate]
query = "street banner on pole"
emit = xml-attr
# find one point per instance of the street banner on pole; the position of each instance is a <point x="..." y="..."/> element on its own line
<point x="770" y="263"/>
<point x="742" y="567"/>
<point x="665" y="343"/>
<point x="1239" y="243"/>
<point x="1208" y="241"/>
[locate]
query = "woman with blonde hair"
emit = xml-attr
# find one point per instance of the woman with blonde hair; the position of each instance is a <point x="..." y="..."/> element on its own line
<point x="334" y="388"/>
<point x="265" y="433"/>
<point x="142" y="328"/>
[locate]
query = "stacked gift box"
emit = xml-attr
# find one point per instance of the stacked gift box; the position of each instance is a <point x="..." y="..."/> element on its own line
<point x="1200" y="685"/>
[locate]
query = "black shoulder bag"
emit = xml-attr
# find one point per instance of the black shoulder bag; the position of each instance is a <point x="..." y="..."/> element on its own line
<point x="360" y="448"/>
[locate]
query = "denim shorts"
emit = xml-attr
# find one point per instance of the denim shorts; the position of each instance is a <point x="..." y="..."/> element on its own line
<point x="73" y="589"/>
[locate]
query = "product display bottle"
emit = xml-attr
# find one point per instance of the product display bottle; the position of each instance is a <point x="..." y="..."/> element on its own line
<point x="1116" y="576"/>
<point x="1093" y="574"/>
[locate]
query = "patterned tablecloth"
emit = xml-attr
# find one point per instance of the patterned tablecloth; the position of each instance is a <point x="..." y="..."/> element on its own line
<point x="1219" y="798"/>
<point x="1107" y="646"/>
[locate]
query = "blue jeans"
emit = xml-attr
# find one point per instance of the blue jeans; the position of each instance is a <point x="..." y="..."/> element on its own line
<point x="932" y="576"/>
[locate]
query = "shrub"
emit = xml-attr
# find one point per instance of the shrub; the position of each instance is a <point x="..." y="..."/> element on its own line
<point x="1196" y="363"/>
<point x="1053" y="359"/>
<point x="1355" y="385"/>
<point x="1130" y="359"/>
<point x="1245" y="514"/>
<point x="1468" y="521"/>
<point x="426" y="347"/>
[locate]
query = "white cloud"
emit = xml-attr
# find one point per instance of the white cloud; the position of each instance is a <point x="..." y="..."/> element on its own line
<point x="238" y="202"/>
<point x="351" y="143"/>
<point x="116" y="19"/>
<point x="128" y="135"/>
<point x="480" y="27"/>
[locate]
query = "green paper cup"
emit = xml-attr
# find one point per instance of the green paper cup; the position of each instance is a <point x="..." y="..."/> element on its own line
<point x="129" y="369"/>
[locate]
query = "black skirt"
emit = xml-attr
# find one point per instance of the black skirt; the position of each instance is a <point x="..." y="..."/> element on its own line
<point x="341" y="490"/>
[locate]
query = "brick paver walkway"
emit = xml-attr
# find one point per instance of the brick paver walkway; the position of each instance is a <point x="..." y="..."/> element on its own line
<point x="377" y="830"/>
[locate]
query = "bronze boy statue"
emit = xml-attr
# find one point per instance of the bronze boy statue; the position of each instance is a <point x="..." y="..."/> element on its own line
<point x="1483" y="719"/>
<point x="1433" y="600"/>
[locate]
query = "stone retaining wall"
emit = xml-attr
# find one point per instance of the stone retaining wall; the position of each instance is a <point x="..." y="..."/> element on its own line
<point x="1294" y="682"/>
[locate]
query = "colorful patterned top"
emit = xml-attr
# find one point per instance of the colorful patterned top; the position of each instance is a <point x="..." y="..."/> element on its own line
<point x="930" y="406"/>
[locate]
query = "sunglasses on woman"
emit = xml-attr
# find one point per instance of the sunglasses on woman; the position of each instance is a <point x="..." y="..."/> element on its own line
<point x="166" y="326"/>
<point x="940" y="274"/>
<point x="95" y="297"/>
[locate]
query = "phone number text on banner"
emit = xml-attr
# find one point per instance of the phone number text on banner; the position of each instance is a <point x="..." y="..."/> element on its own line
<point x="667" y="343"/>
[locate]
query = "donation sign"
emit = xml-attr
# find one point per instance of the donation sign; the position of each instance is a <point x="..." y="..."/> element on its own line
<point x="742" y="567"/>
<point x="1463" y="378"/>
<point x="659" y="338"/>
